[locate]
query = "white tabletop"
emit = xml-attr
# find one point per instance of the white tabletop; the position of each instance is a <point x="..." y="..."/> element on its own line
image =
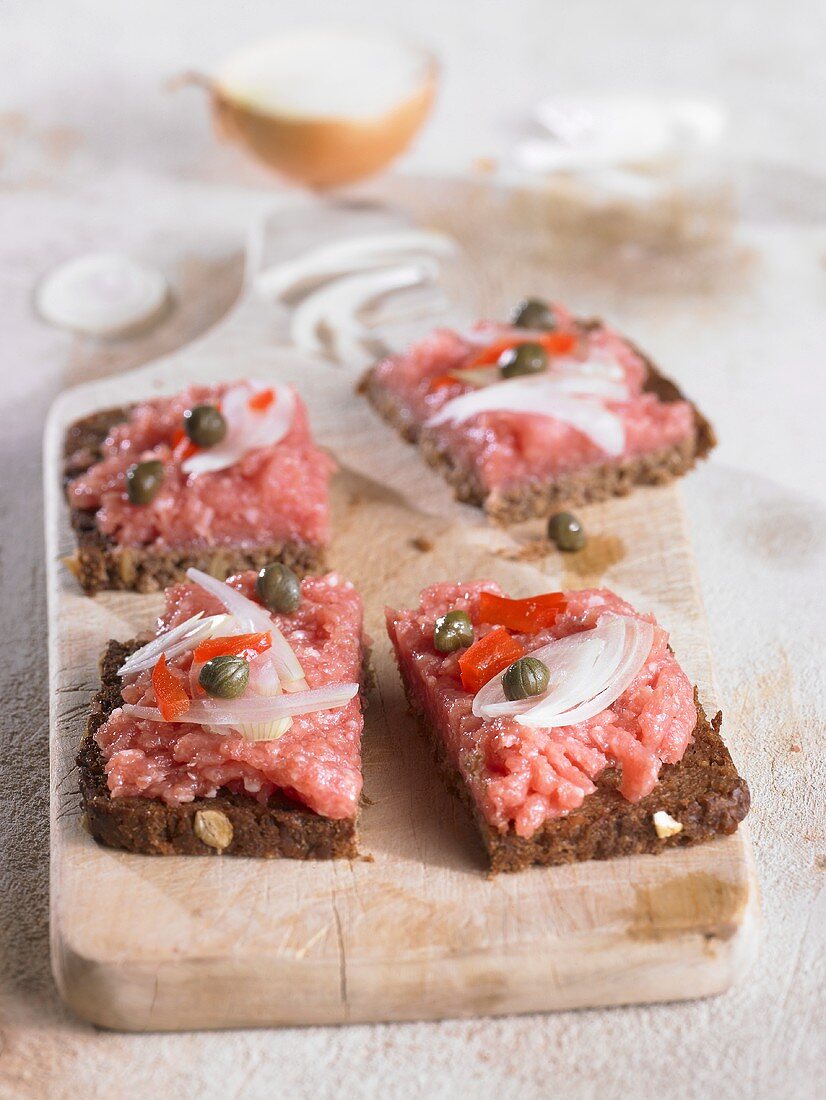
<point x="94" y="153"/>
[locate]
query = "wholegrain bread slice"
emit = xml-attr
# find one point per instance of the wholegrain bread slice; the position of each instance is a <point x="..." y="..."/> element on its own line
<point x="229" y="824"/>
<point x="540" y="497"/>
<point x="99" y="563"/>
<point x="703" y="792"/>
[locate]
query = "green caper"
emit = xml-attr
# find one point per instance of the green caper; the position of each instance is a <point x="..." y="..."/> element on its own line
<point x="205" y="425"/>
<point x="523" y="359"/>
<point x="566" y="531"/>
<point x="453" y="631"/>
<point x="534" y="313"/>
<point x="225" y="677"/>
<point x="278" y="588"/>
<point x="143" y="480"/>
<point x="526" y="677"/>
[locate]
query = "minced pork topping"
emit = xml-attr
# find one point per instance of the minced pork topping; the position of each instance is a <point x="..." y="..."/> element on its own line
<point x="316" y="762"/>
<point x="522" y="776"/>
<point x="272" y="493"/>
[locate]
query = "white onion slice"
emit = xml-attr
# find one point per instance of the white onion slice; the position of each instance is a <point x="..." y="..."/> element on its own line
<point x="345" y="257"/>
<point x="639" y="640"/>
<point x="172" y="643"/>
<point x="264" y="682"/>
<point x="539" y="397"/>
<point x="571" y="663"/>
<point x="247" y="429"/>
<point x="235" y="713"/>
<point x="588" y="672"/>
<point x="336" y="306"/>
<point x="255" y="618"/>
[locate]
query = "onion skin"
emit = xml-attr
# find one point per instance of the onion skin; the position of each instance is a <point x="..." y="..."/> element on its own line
<point x="324" y="152"/>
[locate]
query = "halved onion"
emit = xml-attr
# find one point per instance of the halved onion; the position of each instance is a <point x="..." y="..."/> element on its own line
<point x="256" y="618"/>
<point x="236" y="713"/>
<point x="247" y="429"/>
<point x="347" y="256"/>
<point x="539" y="397"/>
<point x="588" y="672"/>
<point x="172" y="643"/>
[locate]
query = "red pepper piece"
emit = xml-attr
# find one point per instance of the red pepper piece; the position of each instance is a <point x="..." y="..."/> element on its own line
<point x="261" y="400"/>
<point x="441" y="382"/>
<point x="487" y="656"/>
<point x="526" y="616"/>
<point x="237" y="645"/>
<point x="170" y="693"/>
<point x="555" y="343"/>
<point x="182" y="445"/>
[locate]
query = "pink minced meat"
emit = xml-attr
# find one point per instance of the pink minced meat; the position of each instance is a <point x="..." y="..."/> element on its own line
<point x="507" y="448"/>
<point x="316" y="762"/>
<point x="522" y="776"/>
<point x="272" y="493"/>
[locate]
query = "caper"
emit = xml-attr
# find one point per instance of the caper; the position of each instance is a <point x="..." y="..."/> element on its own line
<point x="526" y="677"/>
<point x="566" y="531"/>
<point x="453" y="631"/>
<point x="523" y="359"/>
<point x="278" y="588"/>
<point x="205" y="425"/>
<point x="534" y="313"/>
<point x="143" y="480"/>
<point x="225" y="677"/>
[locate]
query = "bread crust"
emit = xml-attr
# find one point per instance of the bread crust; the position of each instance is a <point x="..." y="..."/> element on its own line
<point x="539" y="498"/>
<point x="99" y="563"/>
<point x="704" y="792"/>
<point x="278" y="829"/>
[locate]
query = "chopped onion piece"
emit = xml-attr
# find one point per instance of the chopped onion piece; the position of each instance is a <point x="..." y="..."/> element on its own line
<point x="264" y="682"/>
<point x="588" y="672"/>
<point x="234" y="713"/>
<point x="172" y="643"/>
<point x="543" y="397"/>
<point x="247" y="429"/>
<point x="255" y="618"/>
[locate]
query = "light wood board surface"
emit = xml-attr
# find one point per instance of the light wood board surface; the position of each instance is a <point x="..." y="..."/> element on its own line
<point x="417" y="931"/>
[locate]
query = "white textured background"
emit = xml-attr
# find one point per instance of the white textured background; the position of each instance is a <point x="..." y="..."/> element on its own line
<point x="95" y="153"/>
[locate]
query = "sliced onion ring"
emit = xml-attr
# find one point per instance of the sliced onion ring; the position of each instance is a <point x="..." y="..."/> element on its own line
<point x="543" y="397"/>
<point x="588" y="672"/>
<point x="247" y="429"/>
<point x="234" y="713"/>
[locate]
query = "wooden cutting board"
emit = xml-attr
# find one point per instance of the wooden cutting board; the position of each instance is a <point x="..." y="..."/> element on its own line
<point x="415" y="930"/>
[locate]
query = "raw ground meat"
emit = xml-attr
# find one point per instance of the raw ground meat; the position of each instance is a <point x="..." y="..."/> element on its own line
<point x="525" y="776"/>
<point x="317" y="761"/>
<point x="273" y="493"/>
<point x="506" y="448"/>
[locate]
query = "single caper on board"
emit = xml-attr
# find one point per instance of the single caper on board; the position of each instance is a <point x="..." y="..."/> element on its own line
<point x="205" y="425"/>
<point x="225" y="677"/>
<point x="453" y="631"/>
<point x="566" y="531"/>
<point x="534" y="313"/>
<point x="143" y="480"/>
<point x="523" y="359"/>
<point x="278" y="588"/>
<point x="525" y="678"/>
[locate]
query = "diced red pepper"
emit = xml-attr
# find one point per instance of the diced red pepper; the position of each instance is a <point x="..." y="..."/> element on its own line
<point x="236" y="645"/>
<point x="441" y="382"/>
<point x="526" y="616"/>
<point x="182" y="445"/>
<point x="170" y="693"/>
<point x="555" y="343"/>
<point x="261" y="400"/>
<point x="481" y="661"/>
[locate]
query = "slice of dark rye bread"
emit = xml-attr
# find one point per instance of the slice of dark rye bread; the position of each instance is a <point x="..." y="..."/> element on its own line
<point x="229" y="824"/>
<point x="99" y="563"/>
<point x="586" y="486"/>
<point x="703" y="792"/>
